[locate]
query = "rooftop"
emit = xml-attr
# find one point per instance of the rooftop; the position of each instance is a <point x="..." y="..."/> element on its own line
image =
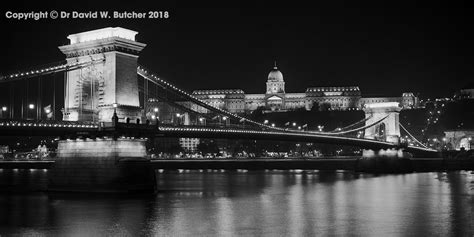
<point x="218" y="91"/>
<point x="102" y="34"/>
<point x="332" y="88"/>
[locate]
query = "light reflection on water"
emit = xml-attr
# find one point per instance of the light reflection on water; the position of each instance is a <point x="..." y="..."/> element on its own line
<point x="272" y="203"/>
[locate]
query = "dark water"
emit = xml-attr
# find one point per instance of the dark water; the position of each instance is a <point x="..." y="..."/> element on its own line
<point x="272" y="203"/>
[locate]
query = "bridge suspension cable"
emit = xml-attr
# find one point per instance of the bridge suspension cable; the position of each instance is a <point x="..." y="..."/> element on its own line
<point x="58" y="67"/>
<point x="411" y="136"/>
<point x="352" y="125"/>
<point x="351" y="131"/>
<point x="174" y="104"/>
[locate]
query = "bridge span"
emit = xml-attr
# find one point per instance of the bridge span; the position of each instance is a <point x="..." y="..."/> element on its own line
<point x="87" y="129"/>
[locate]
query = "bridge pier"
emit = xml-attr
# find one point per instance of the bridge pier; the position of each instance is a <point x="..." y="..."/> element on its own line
<point x="387" y="128"/>
<point x="386" y="117"/>
<point x="102" y="165"/>
<point x="109" y="84"/>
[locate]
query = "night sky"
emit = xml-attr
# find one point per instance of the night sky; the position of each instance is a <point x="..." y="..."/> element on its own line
<point x="385" y="49"/>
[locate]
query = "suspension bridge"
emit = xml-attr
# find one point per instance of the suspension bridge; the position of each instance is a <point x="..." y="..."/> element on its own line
<point x="106" y="95"/>
<point x="102" y="79"/>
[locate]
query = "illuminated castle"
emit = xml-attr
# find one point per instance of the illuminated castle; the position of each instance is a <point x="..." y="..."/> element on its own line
<point x="276" y="99"/>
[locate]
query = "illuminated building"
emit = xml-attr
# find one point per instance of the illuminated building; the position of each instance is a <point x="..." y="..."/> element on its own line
<point x="465" y="93"/>
<point x="276" y="99"/>
<point x="460" y="138"/>
<point x="189" y="144"/>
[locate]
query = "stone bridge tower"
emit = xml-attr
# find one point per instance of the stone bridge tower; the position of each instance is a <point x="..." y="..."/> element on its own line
<point x="94" y="92"/>
<point x="388" y="129"/>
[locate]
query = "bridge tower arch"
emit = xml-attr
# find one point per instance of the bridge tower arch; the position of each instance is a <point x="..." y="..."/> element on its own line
<point x="386" y="130"/>
<point x="94" y="92"/>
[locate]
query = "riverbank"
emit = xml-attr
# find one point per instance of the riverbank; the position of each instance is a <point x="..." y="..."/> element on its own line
<point x="350" y="164"/>
<point x="337" y="163"/>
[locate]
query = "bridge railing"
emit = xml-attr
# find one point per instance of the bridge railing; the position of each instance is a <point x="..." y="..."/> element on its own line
<point x="47" y="123"/>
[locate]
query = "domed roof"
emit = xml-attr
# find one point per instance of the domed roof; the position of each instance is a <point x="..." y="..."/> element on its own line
<point x="275" y="75"/>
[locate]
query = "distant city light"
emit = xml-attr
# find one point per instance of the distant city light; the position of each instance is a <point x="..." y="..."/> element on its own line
<point x="31" y="106"/>
<point x="155" y="109"/>
<point x="4" y="108"/>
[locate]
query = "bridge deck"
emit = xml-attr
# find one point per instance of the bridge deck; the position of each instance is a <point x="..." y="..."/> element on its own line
<point x="65" y="128"/>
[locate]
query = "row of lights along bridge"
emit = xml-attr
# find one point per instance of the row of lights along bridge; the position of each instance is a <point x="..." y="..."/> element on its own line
<point x="5" y="109"/>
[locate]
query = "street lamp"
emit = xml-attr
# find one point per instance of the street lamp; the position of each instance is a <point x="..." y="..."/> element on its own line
<point x="31" y="107"/>
<point x="47" y="111"/>
<point x="115" y="105"/>
<point x="201" y="121"/>
<point x="294" y="124"/>
<point x="4" y="109"/>
<point x="179" y="117"/>
<point x="114" y="116"/>
<point x="265" y="122"/>
<point x="154" y="116"/>
<point x="224" y="120"/>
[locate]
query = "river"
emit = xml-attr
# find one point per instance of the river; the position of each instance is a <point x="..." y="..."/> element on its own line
<point x="253" y="203"/>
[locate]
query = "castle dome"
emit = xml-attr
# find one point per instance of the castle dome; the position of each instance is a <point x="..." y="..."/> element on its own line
<point x="275" y="74"/>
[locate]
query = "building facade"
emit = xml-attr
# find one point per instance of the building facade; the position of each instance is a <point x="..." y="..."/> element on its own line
<point x="466" y="92"/>
<point x="459" y="139"/>
<point x="276" y="99"/>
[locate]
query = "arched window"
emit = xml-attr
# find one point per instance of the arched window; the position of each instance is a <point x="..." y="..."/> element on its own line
<point x="381" y="130"/>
